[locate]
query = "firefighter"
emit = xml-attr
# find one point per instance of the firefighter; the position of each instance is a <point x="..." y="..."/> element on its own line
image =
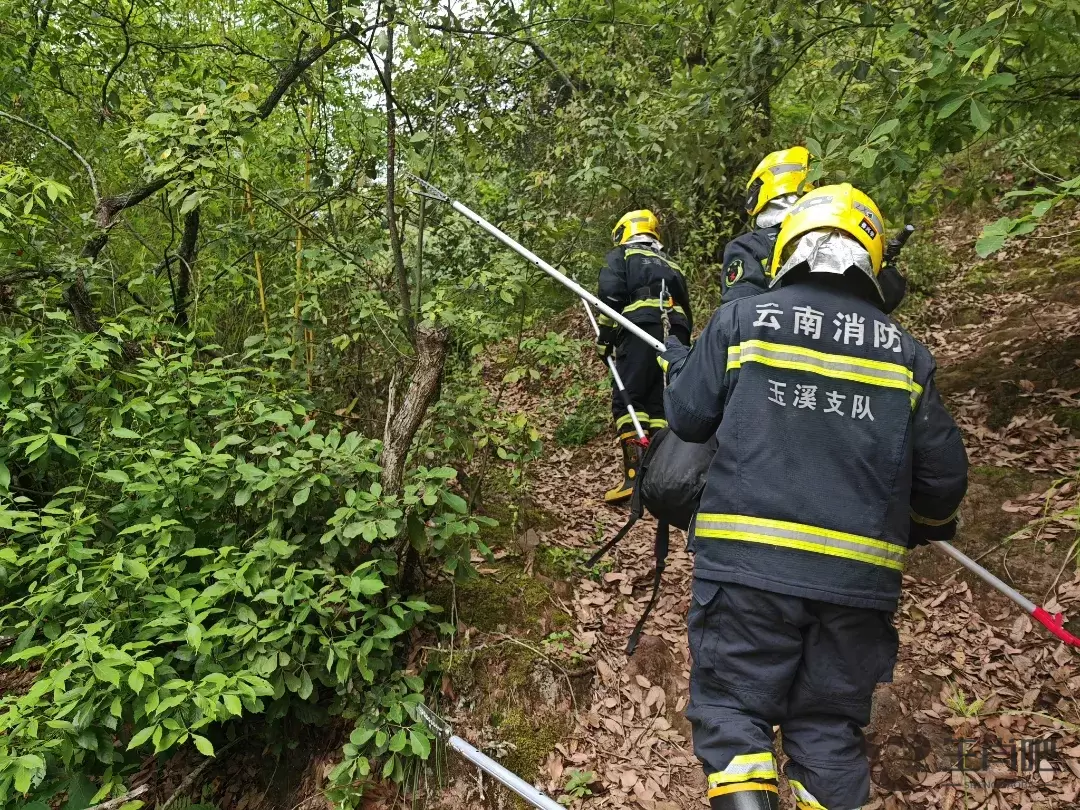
<point x="774" y="188"/>
<point x="837" y="457"/>
<point x="635" y="273"/>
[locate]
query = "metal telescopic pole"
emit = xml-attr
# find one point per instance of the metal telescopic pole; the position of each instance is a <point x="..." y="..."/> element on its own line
<point x="525" y="253"/>
<point x="485" y="763"/>
<point x="618" y="379"/>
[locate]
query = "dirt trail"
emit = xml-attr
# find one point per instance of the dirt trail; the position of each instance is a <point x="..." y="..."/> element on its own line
<point x="1007" y="341"/>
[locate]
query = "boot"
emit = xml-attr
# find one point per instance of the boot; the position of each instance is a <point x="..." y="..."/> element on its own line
<point x="624" y="490"/>
<point x="762" y="797"/>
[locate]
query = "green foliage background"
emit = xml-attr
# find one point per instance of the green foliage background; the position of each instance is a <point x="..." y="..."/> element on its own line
<point x="202" y="309"/>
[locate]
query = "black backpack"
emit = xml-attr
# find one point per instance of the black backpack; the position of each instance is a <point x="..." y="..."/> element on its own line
<point x="670" y="479"/>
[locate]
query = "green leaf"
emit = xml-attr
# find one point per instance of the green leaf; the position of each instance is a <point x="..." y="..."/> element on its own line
<point x="883" y="129"/>
<point x="980" y="116"/>
<point x="141" y="737"/>
<point x="455" y="502"/>
<point x="300" y="496"/>
<point x="205" y="747"/>
<point x="193" y="634"/>
<point x="998" y="12"/>
<point x="232" y="703"/>
<point x="242" y="497"/>
<point x="22" y="780"/>
<point x="193" y="448"/>
<point x="116" y="476"/>
<point x="136" y="680"/>
<point x="989" y="243"/>
<point x="951" y="106"/>
<point x="103" y="672"/>
<point x="124" y="433"/>
<point x="1041" y="208"/>
<point x="420" y="744"/>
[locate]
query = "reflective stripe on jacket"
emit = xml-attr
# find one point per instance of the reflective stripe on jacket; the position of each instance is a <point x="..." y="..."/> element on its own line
<point x="631" y="282"/>
<point x="836" y="452"/>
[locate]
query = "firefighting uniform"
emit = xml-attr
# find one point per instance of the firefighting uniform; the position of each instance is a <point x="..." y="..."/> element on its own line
<point x="837" y="456"/>
<point x="630" y="283"/>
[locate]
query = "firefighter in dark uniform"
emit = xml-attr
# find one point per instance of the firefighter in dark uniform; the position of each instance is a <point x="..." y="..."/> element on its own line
<point x="774" y="188"/>
<point x="837" y="457"/>
<point x="636" y="272"/>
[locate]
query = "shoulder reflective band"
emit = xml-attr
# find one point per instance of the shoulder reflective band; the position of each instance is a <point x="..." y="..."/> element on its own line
<point x="838" y="366"/>
<point x="651" y="254"/>
<point x="802" y="537"/>
<point x="743" y="767"/>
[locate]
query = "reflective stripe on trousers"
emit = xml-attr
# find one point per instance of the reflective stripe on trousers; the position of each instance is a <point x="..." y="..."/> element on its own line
<point x="800" y="536"/>
<point x="804" y="799"/>
<point x="744" y="772"/>
<point x="836" y="366"/>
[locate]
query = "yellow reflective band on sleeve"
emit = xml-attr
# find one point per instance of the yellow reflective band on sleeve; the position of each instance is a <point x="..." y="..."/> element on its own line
<point x="723" y="790"/>
<point x="657" y="424"/>
<point x="836" y="366"/>
<point x="804" y="799"/>
<point x="654" y="303"/>
<point x="744" y="767"/>
<point x="625" y="419"/>
<point x="802" y="537"/>
<point x="663" y="363"/>
<point x="604" y="320"/>
<point x="925" y="521"/>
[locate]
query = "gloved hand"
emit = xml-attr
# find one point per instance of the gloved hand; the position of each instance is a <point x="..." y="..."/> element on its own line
<point x="674" y="351"/>
<point x="605" y="342"/>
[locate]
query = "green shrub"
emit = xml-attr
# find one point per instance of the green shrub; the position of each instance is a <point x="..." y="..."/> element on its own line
<point x="187" y="542"/>
<point x="590" y="417"/>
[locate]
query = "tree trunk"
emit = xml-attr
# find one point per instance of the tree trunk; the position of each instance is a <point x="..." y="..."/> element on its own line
<point x="186" y="255"/>
<point x="403" y="421"/>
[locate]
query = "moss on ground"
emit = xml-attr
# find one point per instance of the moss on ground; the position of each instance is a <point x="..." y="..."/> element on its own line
<point x="533" y="738"/>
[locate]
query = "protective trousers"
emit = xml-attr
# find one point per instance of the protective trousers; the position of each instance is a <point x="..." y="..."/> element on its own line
<point x="763" y="659"/>
<point x="644" y="381"/>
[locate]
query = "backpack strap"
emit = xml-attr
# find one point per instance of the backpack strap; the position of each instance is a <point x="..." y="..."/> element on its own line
<point x="660" y="550"/>
<point x="636" y="511"/>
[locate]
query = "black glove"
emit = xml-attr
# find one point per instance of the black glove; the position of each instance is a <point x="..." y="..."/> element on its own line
<point x="605" y="342"/>
<point x="674" y="350"/>
<point x="893" y="287"/>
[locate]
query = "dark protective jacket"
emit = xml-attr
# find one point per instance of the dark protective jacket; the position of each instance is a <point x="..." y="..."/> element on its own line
<point x="630" y="282"/>
<point x="836" y="451"/>
<point x="746" y="263"/>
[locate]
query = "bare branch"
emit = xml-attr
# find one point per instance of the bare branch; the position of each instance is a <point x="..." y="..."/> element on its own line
<point x="63" y="143"/>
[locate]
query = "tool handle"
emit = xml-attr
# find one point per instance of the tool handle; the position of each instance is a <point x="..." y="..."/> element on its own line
<point x="618" y="382"/>
<point x="896" y="244"/>
<point x="503" y="776"/>
<point x="991" y="580"/>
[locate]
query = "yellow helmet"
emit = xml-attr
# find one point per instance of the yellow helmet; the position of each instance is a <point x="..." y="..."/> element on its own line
<point x="841" y="207"/>
<point x="635" y="223"/>
<point x="779" y="173"/>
